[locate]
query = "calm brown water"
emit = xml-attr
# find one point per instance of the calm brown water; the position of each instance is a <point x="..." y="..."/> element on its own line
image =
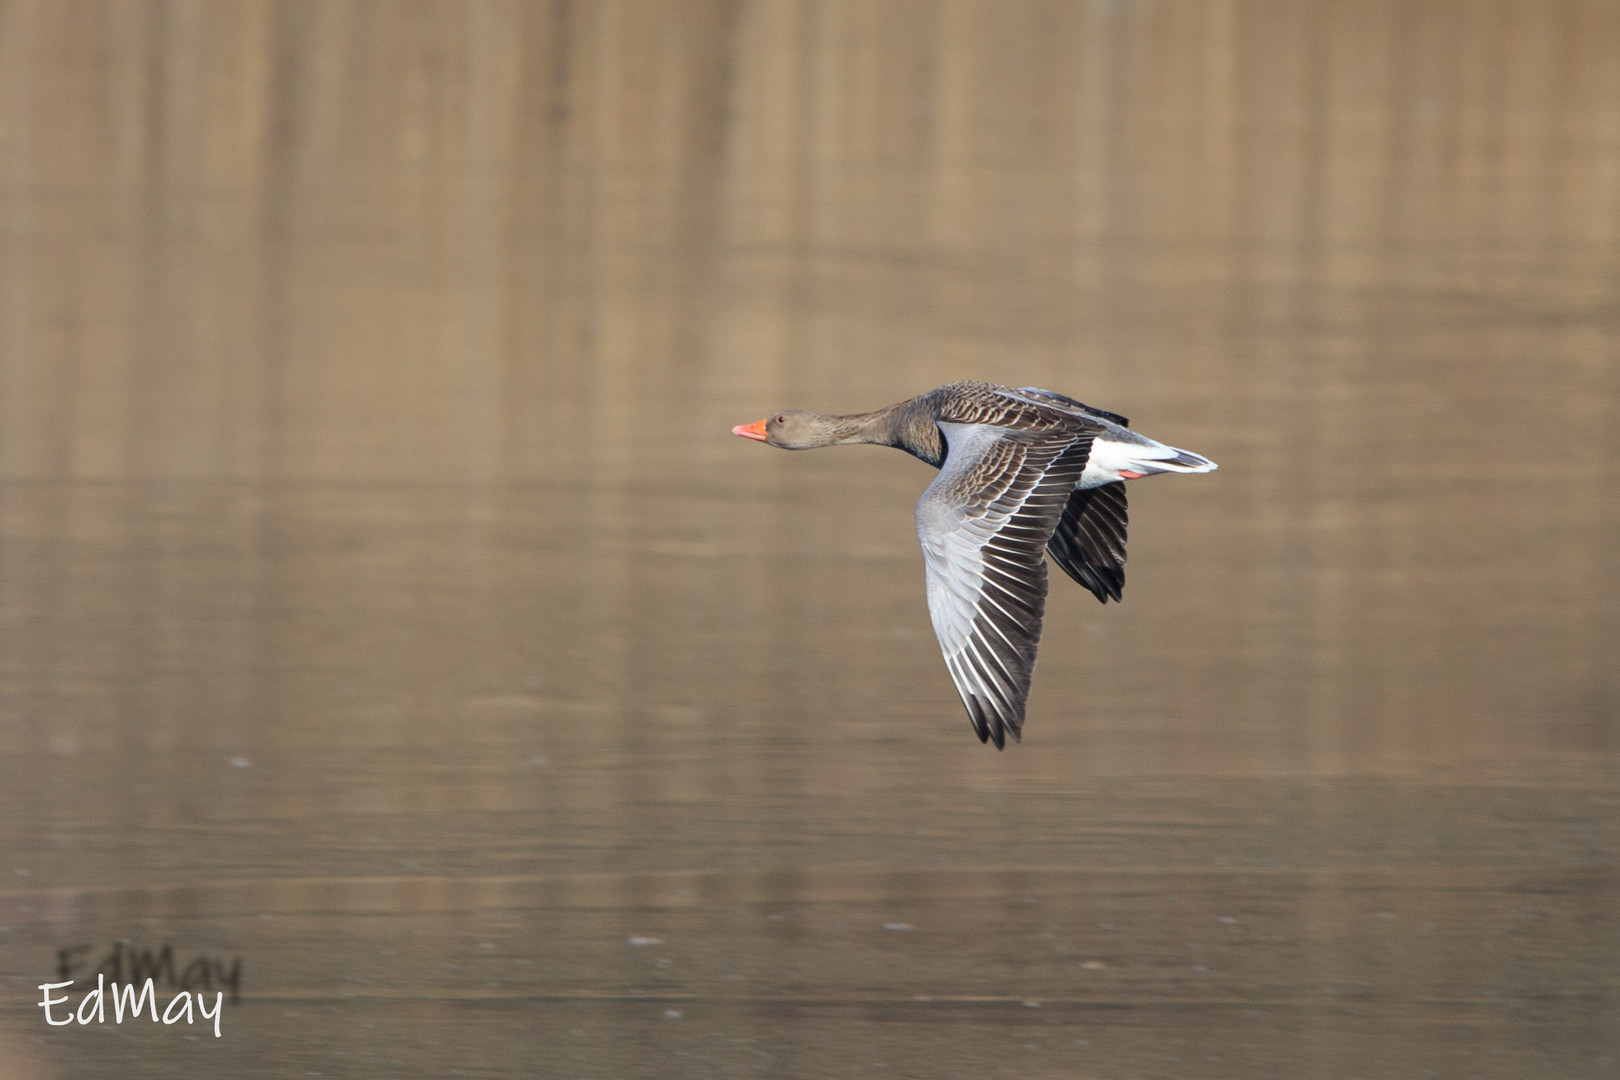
<point x="385" y="604"/>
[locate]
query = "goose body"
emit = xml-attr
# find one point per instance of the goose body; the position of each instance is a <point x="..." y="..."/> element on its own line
<point x="1023" y="473"/>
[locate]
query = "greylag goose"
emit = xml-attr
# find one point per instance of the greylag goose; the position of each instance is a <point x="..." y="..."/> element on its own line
<point x="1021" y="472"/>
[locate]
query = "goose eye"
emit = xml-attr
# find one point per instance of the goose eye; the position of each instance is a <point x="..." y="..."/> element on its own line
<point x="782" y="419"/>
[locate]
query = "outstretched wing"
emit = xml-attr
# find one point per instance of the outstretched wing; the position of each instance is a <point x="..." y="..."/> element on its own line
<point x="1089" y="542"/>
<point x="984" y="524"/>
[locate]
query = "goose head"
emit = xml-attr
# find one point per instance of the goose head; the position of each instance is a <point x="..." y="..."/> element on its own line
<point x="791" y="430"/>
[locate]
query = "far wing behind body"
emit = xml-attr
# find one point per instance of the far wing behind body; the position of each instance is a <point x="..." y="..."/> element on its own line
<point x="1089" y="542"/>
<point x="1064" y="401"/>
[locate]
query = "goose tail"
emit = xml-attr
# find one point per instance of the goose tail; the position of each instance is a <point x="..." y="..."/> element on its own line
<point x="1175" y="460"/>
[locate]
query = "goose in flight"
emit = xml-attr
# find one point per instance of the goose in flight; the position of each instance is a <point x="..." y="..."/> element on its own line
<point x="1022" y="474"/>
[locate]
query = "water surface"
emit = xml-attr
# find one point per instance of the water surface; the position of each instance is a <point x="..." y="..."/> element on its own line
<point x="384" y="603"/>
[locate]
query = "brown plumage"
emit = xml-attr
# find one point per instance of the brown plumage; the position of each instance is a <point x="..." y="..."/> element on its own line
<point x="1023" y="473"/>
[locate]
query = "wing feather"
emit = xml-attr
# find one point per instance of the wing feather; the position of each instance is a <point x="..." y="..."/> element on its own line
<point x="1052" y="397"/>
<point x="985" y="524"/>
<point x="1089" y="542"/>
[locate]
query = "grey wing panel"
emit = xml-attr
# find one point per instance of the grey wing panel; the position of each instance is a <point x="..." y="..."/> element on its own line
<point x="984" y="525"/>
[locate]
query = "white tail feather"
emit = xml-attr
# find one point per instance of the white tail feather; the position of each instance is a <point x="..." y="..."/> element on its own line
<point x="1180" y="461"/>
<point x="1113" y="459"/>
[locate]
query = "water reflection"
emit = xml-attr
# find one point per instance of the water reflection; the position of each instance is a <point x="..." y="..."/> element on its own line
<point x="384" y="601"/>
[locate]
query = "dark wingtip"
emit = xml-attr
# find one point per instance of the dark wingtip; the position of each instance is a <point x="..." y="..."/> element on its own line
<point x="988" y="725"/>
<point x="980" y="722"/>
<point x="1103" y="594"/>
<point x="1113" y="588"/>
<point x="1104" y="584"/>
<point x="993" y="720"/>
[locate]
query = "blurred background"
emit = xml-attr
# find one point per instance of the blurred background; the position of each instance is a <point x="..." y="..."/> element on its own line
<point x="385" y="604"/>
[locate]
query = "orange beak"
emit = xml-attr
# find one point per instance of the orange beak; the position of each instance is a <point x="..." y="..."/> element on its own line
<point x="755" y="431"/>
